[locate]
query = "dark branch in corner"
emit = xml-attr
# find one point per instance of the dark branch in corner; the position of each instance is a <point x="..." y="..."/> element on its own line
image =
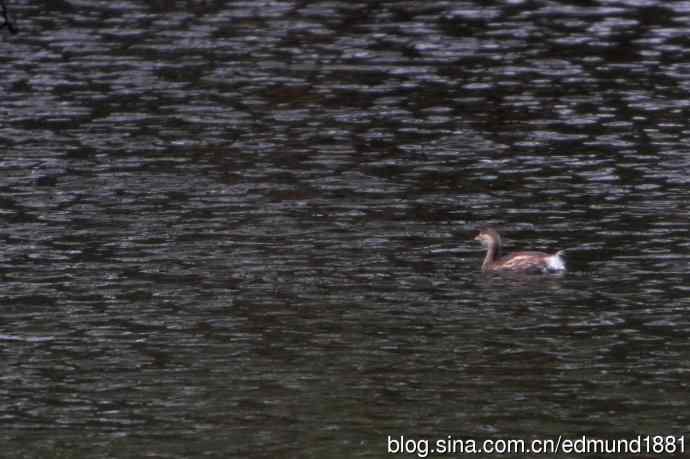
<point x="5" y="16"/>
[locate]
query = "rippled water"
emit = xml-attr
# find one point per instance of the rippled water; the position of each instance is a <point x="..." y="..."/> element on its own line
<point x="244" y="229"/>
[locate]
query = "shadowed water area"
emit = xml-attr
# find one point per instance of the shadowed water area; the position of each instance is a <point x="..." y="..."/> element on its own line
<point x="244" y="229"/>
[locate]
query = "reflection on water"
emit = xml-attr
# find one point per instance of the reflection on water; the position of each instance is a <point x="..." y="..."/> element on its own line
<point x="240" y="230"/>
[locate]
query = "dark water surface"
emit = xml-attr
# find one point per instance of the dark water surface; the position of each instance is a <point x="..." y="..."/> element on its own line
<point x="244" y="229"/>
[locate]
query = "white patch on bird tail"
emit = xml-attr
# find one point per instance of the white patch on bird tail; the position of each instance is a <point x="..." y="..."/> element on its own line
<point x="556" y="262"/>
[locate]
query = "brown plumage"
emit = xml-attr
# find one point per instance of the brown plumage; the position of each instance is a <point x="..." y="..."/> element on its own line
<point x="524" y="262"/>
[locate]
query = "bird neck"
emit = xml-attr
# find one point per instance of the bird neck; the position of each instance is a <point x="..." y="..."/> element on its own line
<point x="492" y="252"/>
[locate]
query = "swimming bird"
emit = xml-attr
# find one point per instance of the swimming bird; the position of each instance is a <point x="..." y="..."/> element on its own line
<point x="522" y="262"/>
